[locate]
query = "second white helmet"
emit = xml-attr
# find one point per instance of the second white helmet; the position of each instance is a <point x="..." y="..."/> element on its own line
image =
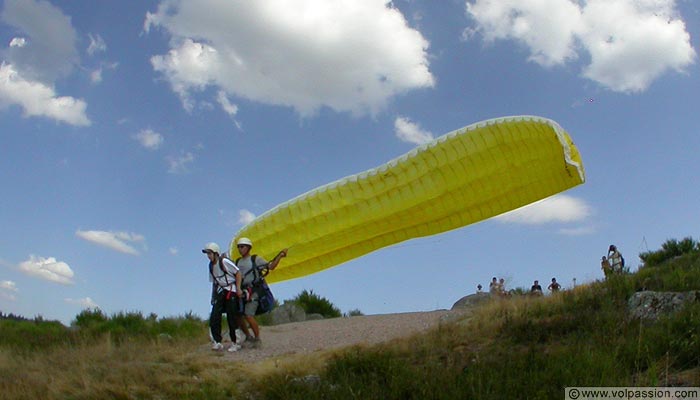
<point x="245" y="240"/>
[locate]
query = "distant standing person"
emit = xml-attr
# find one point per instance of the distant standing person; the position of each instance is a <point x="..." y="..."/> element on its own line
<point x="245" y="263"/>
<point x="605" y="266"/>
<point x="479" y="288"/>
<point x="616" y="260"/>
<point x="502" y="287"/>
<point x="225" y="278"/>
<point x="554" y="286"/>
<point x="493" y="286"/>
<point x="536" y="289"/>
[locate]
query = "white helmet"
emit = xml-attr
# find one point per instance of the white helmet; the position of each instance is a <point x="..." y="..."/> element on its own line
<point x="246" y="241"/>
<point x="211" y="246"/>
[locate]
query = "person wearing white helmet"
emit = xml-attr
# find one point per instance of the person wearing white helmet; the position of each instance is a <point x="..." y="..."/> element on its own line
<point x="246" y="264"/>
<point x="225" y="278"/>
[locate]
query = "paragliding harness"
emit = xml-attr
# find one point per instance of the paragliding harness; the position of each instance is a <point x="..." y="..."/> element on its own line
<point x="226" y="275"/>
<point x="266" y="300"/>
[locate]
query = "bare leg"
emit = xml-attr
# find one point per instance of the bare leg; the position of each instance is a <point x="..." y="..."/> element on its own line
<point x="254" y="325"/>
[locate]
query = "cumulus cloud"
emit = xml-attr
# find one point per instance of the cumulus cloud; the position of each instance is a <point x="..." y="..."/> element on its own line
<point x="119" y="241"/>
<point x="49" y="50"/>
<point x="410" y="132"/>
<point x="49" y="269"/>
<point x="8" y="290"/>
<point x="559" y="208"/>
<point x="180" y="163"/>
<point x="45" y="52"/>
<point x="630" y="43"/>
<point x="245" y="217"/>
<point x="346" y="55"/>
<point x="83" y="303"/>
<point x="149" y="139"/>
<point x="38" y="99"/>
<point x="174" y="251"/>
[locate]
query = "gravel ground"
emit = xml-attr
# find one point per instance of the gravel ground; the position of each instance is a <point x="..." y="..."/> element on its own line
<point x="311" y="336"/>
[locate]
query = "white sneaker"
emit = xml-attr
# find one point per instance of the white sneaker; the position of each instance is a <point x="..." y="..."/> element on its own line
<point x="234" y="348"/>
<point x="217" y="346"/>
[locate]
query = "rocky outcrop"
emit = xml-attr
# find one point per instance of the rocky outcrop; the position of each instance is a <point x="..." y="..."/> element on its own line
<point x="471" y="300"/>
<point x="286" y="313"/>
<point x="649" y="305"/>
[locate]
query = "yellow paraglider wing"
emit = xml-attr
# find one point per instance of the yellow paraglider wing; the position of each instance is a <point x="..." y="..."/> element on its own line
<point x="465" y="176"/>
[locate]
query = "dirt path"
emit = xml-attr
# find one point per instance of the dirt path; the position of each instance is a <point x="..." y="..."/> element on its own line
<point x="311" y="336"/>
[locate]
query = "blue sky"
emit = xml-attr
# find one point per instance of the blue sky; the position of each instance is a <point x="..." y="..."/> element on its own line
<point x="132" y="133"/>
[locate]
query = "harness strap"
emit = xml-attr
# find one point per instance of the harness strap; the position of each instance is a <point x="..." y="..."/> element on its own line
<point x="225" y="272"/>
<point x="253" y="269"/>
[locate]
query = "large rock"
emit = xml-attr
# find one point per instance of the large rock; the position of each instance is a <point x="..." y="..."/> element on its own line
<point x="286" y="313"/>
<point x="651" y="305"/>
<point x="471" y="300"/>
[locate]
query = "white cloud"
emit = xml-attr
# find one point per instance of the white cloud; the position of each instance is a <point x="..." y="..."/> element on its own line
<point x="119" y="241"/>
<point x="228" y="107"/>
<point x="38" y="99"/>
<point x="174" y="251"/>
<point x="307" y="54"/>
<point x="45" y="52"/>
<point x="410" y="132"/>
<point x="630" y="43"/>
<point x="149" y="139"/>
<point x="97" y="44"/>
<point x="579" y="231"/>
<point x="179" y="164"/>
<point x="49" y="269"/>
<point x="8" y="290"/>
<point x="8" y="285"/>
<point x="18" y="42"/>
<point x="245" y="217"/>
<point x="96" y="74"/>
<point x="558" y="208"/>
<point x="50" y="51"/>
<point x="83" y="303"/>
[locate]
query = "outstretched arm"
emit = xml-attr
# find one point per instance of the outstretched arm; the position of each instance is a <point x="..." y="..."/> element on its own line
<point x="276" y="260"/>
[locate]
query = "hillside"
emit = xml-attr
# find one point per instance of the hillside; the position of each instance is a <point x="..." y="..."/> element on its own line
<point x="520" y="347"/>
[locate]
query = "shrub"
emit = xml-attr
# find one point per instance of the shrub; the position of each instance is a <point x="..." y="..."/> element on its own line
<point x="90" y="318"/>
<point x="27" y="334"/>
<point x="670" y="249"/>
<point x="315" y="304"/>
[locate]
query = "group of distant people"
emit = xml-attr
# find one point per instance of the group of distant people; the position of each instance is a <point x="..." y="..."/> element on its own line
<point x="536" y="289"/>
<point x="497" y="287"/>
<point x="613" y="263"/>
